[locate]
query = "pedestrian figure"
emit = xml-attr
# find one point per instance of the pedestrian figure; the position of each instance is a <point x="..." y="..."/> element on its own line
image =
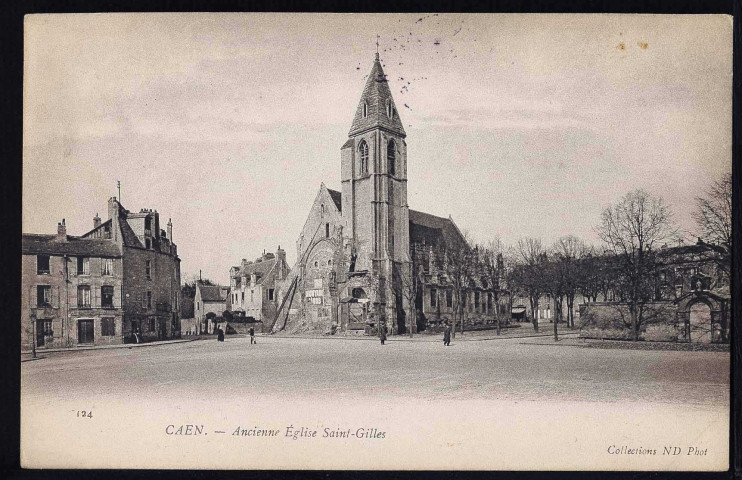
<point x="252" y="336"/>
<point x="220" y="335"/>
<point x="382" y="333"/>
<point x="447" y="334"/>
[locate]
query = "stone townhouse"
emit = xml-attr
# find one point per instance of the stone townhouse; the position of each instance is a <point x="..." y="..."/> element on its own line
<point x="209" y="299"/>
<point x="354" y="262"/>
<point x="117" y="283"/>
<point x="253" y="285"/>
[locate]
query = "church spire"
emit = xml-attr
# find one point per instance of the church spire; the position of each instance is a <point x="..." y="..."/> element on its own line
<point x="376" y="108"/>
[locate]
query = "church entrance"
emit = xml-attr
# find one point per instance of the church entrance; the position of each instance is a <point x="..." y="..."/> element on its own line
<point x="354" y="309"/>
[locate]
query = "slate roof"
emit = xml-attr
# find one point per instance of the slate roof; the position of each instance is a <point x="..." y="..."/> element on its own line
<point x="337" y="198"/>
<point x="33" y="244"/>
<point x="433" y="230"/>
<point x="260" y="268"/>
<point x="375" y="95"/>
<point x="213" y="293"/>
<point x="99" y="227"/>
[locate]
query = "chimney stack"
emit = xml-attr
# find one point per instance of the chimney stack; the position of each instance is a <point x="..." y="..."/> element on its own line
<point x="61" y="232"/>
<point x="280" y="260"/>
<point x="96" y="221"/>
<point x="170" y="229"/>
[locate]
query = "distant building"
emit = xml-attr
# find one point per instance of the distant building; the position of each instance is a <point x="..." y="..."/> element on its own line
<point x="691" y="299"/>
<point x="117" y="283"/>
<point x="209" y="299"/>
<point x="253" y="285"/>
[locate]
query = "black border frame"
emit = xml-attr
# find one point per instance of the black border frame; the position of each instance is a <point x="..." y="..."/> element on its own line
<point x="11" y="64"/>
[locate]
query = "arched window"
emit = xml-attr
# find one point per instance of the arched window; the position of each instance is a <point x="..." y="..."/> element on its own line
<point x="327" y="230"/>
<point x="363" y="150"/>
<point x="391" y="157"/>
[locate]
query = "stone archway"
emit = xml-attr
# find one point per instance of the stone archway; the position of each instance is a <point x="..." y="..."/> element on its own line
<point x="699" y="323"/>
<point x="702" y="317"/>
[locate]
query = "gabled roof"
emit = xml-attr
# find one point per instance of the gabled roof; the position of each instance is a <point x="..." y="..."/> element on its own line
<point x="103" y="225"/>
<point x="375" y="95"/>
<point x="259" y="268"/>
<point x="213" y="293"/>
<point x="433" y="230"/>
<point x="336" y="198"/>
<point x="33" y="244"/>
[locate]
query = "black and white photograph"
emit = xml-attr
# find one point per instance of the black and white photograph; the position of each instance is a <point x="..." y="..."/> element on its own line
<point x="325" y="241"/>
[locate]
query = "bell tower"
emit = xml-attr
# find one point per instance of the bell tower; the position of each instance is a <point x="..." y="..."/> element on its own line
<point x="374" y="196"/>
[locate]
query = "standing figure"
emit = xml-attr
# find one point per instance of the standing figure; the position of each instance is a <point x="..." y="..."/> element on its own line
<point x="252" y="335"/>
<point x="220" y="334"/>
<point x="447" y="334"/>
<point x="382" y="333"/>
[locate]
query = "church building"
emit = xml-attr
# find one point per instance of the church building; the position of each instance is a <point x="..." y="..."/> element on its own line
<point x="355" y="268"/>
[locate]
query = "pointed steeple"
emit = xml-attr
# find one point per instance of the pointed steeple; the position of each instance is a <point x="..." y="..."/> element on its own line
<point x="377" y="108"/>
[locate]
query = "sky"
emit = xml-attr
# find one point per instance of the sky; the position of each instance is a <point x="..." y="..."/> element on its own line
<point x="517" y="125"/>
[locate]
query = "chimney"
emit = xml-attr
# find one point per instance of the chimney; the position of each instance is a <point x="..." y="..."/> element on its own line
<point x="113" y="208"/>
<point x="61" y="232"/>
<point x="96" y="221"/>
<point x="281" y="261"/>
<point x="113" y="216"/>
<point x="170" y="229"/>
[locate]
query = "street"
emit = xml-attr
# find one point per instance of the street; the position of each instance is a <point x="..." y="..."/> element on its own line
<point x="516" y="368"/>
<point x="475" y="404"/>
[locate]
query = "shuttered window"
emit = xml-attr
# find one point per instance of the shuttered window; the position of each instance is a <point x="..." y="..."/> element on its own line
<point x="43" y="295"/>
<point x="106" y="266"/>
<point x="83" y="296"/>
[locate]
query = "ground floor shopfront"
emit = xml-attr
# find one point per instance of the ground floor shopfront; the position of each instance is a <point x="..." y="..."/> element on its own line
<point x="47" y="328"/>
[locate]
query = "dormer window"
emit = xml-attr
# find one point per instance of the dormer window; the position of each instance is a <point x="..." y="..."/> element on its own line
<point x="365" y="110"/>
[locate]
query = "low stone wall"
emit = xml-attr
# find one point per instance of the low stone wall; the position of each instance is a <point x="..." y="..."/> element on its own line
<point x="613" y="321"/>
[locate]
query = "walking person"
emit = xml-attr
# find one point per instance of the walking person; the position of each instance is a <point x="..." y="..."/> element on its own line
<point x="220" y="334"/>
<point x="382" y="333"/>
<point x="447" y="334"/>
<point x="252" y="335"/>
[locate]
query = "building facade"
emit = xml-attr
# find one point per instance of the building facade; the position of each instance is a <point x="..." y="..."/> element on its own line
<point x="355" y="268"/>
<point x="253" y="286"/>
<point x="209" y="299"/>
<point x="117" y="283"/>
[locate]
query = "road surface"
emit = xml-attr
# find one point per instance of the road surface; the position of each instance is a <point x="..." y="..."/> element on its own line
<point x="517" y="369"/>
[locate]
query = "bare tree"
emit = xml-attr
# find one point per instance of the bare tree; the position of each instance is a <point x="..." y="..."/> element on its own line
<point x="631" y="230"/>
<point x="554" y="283"/>
<point x="567" y="253"/>
<point x="713" y="216"/>
<point x="596" y="274"/>
<point x="458" y="265"/>
<point x="493" y="263"/>
<point x="527" y="275"/>
<point x="411" y="279"/>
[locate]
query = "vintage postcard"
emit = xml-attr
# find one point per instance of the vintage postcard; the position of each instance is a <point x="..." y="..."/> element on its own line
<point x="376" y="241"/>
